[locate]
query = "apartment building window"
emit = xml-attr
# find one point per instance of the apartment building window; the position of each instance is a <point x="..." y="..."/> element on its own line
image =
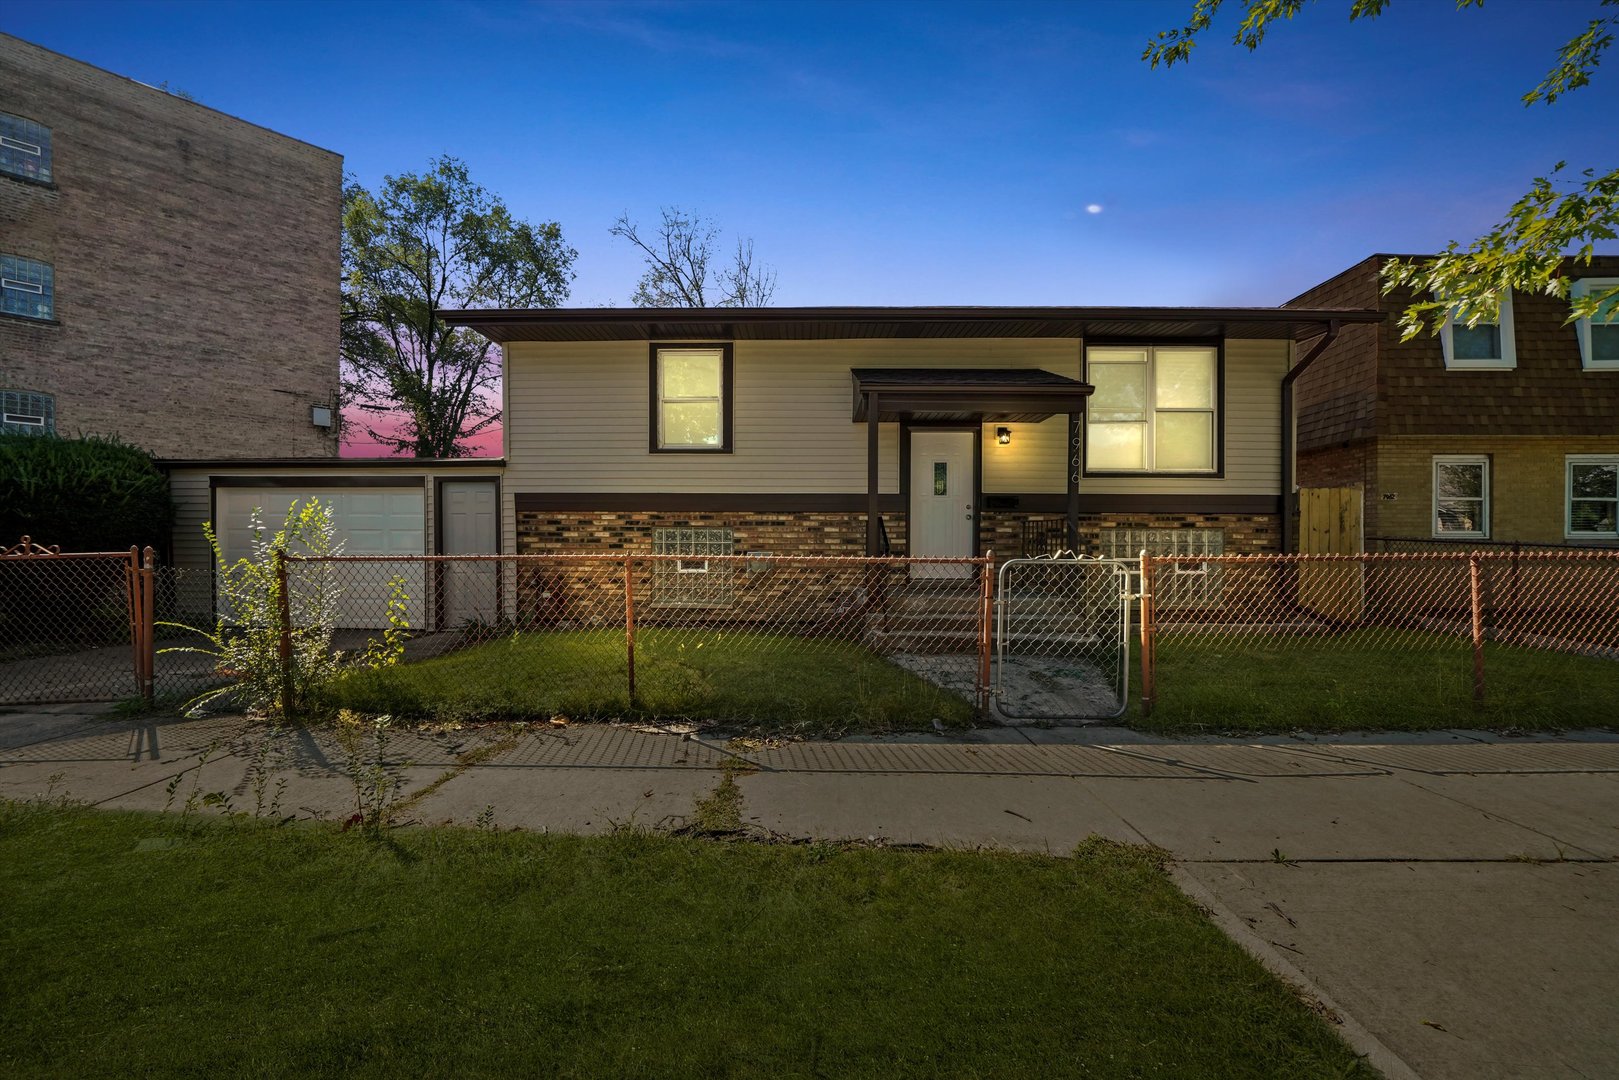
<point x="691" y="399"/>
<point x="27" y="288"/>
<point x="1599" y="336"/>
<point x="1592" y="487"/>
<point x="1155" y="409"/>
<point x="25" y="148"/>
<point x="1461" y="495"/>
<point x="23" y="412"/>
<point x="1482" y="346"/>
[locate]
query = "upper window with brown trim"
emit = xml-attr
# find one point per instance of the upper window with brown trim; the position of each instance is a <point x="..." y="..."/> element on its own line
<point x="1156" y="409"/>
<point x="690" y="399"/>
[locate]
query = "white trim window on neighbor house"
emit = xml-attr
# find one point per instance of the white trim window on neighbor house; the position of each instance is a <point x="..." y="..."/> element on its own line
<point x="1461" y="495"/>
<point x="1483" y="345"/>
<point x="1591" y="486"/>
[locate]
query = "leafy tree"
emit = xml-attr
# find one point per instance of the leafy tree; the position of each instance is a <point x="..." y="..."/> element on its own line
<point x="679" y="270"/>
<point x="1526" y="250"/>
<point x="420" y="244"/>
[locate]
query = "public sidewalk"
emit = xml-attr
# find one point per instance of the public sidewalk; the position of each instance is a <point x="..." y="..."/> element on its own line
<point x="1449" y="896"/>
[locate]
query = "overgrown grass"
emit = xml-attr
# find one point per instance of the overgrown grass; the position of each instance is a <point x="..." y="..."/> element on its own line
<point x="1366" y="680"/>
<point x="779" y="682"/>
<point x="136" y="945"/>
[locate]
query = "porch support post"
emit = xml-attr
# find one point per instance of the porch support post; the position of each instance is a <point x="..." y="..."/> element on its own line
<point x="1073" y="483"/>
<point x="873" y="479"/>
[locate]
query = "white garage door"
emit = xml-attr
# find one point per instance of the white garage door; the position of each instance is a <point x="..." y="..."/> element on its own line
<point x="368" y="521"/>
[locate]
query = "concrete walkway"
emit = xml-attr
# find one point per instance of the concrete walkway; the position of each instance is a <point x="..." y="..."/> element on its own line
<point x="1451" y="897"/>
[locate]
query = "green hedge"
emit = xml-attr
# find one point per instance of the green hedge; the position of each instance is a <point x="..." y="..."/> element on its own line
<point x="86" y="494"/>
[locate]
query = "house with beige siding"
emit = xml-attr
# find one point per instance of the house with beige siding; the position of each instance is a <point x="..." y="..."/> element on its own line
<point x="943" y="432"/>
<point x="1505" y="432"/>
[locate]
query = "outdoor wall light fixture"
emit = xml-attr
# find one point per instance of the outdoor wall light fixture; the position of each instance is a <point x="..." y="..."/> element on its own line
<point x="1003" y="435"/>
<point x="320" y="416"/>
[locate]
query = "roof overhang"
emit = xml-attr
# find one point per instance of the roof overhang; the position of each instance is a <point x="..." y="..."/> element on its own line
<point x="825" y="323"/>
<point x="937" y="395"/>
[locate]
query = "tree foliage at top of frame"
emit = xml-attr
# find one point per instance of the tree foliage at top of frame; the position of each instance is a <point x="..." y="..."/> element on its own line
<point x="1560" y="215"/>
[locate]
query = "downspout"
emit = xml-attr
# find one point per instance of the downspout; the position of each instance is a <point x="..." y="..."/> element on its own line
<point x="1289" y="434"/>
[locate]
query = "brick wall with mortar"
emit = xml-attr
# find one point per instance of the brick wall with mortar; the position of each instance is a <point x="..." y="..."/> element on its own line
<point x="548" y="532"/>
<point x="1350" y="466"/>
<point x="196" y="267"/>
<point x="1527" y="482"/>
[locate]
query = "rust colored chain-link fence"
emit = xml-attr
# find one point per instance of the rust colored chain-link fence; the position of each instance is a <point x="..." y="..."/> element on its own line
<point x="794" y="642"/>
<point x="1382" y="640"/>
<point x="71" y="624"/>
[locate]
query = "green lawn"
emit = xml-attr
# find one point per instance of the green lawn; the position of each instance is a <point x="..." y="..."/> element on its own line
<point x="788" y="684"/>
<point x="1363" y="680"/>
<point x="144" y="945"/>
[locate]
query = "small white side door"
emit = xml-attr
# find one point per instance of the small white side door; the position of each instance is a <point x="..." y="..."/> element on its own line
<point x="467" y="516"/>
<point x="942" y="500"/>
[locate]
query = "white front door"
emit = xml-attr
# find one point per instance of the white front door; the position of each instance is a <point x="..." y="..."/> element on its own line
<point x="467" y="516"/>
<point x="942" y="500"/>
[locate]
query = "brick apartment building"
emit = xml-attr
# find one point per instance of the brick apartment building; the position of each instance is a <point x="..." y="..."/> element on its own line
<point x="1505" y="432"/>
<point x="170" y="273"/>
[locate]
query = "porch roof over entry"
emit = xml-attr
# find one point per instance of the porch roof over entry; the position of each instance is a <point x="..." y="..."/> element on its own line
<point x="1012" y="395"/>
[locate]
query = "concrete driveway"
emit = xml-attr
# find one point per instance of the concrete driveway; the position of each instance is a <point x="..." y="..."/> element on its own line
<point x="1450" y="899"/>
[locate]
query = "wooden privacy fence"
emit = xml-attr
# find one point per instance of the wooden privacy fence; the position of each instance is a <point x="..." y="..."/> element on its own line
<point x="76" y="625"/>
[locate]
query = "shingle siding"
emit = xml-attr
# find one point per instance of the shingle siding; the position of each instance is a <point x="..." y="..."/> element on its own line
<point x="196" y="264"/>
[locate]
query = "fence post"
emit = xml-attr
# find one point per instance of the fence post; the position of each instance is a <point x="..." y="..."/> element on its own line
<point x="986" y="606"/>
<point x="284" y="617"/>
<point x="132" y="591"/>
<point x="1475" y="573"/>
<point x="629" y="621"/>
<point x="148" y="591"/>
<point x="1146" y="635"/>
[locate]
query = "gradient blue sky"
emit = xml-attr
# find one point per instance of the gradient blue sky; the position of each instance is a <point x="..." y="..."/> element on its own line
<point x="904" y="153"/>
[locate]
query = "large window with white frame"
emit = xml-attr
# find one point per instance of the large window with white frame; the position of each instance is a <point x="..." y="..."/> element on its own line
<point x="1591" y="488"/>
<point x="1599" y="336"/>
<point x="691" y="399"/>
<point x="1483" y="345"/>
<point x="1155" y="409"/>
<point x="1461" y="495"/>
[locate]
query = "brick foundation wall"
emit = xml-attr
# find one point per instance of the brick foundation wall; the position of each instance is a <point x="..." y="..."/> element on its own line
<point x="1244" y="534"/>
<point x="196" y="267"/>
<point x="541" y="533"/>
<point x="780" y="534"/>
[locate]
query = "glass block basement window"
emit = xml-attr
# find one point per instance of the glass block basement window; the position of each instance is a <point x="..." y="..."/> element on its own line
<point x="691" y="579"/>
<point x="1184" y="584"/>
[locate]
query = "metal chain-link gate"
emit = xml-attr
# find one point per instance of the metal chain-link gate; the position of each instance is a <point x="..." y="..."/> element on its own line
<point x="1062" y="638"/>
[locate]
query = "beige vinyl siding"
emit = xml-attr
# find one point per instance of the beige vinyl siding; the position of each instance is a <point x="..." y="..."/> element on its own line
<point x="578" y="414"/>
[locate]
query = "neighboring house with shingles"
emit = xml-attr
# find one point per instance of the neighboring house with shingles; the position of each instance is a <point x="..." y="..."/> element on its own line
<point x="918" y="431"/>
<point x="168" y="273"/>
<point x="1502" y="432"/>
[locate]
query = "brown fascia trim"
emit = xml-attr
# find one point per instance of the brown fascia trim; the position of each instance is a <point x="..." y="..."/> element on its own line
<point x="334" y="464"/>
<point x="416" y="482"/>
<point x="855" y="503"/>
<point x="483" y="319"/>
